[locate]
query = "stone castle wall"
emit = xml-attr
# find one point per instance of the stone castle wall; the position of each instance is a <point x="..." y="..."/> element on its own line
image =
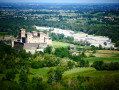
<point x="32" y="42"/>
<point x="37" y="38"/>
<point x="35" y="41"/>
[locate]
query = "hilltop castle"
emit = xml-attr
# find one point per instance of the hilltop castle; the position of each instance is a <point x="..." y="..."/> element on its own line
<point x="34" y="41"/>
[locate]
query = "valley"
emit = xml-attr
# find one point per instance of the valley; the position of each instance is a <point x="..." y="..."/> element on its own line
<point x="79" y="42"/>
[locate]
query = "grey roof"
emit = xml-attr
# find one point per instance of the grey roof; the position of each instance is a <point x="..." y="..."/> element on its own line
<point x="30" y="45"/>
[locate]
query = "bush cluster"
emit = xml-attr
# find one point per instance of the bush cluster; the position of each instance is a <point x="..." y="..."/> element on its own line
<point x="100" y="65"/>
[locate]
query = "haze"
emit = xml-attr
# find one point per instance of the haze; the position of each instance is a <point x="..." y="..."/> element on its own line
<point x="64" y="1"/>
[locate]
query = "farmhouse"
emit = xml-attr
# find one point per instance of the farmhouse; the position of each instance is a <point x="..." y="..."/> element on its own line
<point x="32" y="42"/>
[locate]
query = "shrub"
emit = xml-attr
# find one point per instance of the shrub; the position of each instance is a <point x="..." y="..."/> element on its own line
<point x="97" y="65"/>
<point x="10" y="75"/>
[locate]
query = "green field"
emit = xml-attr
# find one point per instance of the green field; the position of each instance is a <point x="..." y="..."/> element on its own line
<point x="77" y="71"/>
<point x="88" y="72"/>
<point x="62" y="44"/>
<point x="67" y="75"/>
<point x="41" y="71"/>
<point x="107" y="56"/>
<point x="105" y="59"/>
<point x="107" y="51"/>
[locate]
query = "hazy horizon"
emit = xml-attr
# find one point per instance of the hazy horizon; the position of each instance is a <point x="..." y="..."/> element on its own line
<point x="61" y="1"/>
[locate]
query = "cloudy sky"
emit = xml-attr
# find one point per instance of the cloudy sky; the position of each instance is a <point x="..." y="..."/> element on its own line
<point x="64" y="1"/>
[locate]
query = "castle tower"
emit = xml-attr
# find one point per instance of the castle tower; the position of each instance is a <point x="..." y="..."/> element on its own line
<point x="22" y="34"/>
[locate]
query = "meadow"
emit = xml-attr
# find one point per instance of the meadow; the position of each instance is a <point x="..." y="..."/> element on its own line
<point x="105" y="59"/>
<point x="87" y="72"/>
<point x="69" y="74"/>
<point x="107" y="56"/>
<point x="62" y="44"/>
<point x="72" y="73"/>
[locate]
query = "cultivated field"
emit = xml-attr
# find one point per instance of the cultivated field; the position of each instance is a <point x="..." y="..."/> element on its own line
<point x="107" y="56"/>
<point x="105" y="59"/>
<point x="107" y="51"/>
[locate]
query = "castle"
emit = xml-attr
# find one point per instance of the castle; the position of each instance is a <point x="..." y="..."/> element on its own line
<point x="32" y="42"/>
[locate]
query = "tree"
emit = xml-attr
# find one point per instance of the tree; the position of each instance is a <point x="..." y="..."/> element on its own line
<point x="83" y="54"/>
<point x="87" y="64"/>
<point x="82" y="63"/>
<point x="60" y="17"/>
<point x="100" y="47"/>
<point x="18" y="47"/>
<point x="10" y="75"/>
<point x="51" y="75"/>
<point x="97" y="65"/>
<point x="23" y="54"/>
<point x="37" y="83"/>
<point x="23" y="79"/>
<point x="70" y="64"/>
<point x="105" y="43"/>
<point x="48" y="49"/>
<point x="28" y="69"/>
<point x="117" y="44"/>
<point x="93" y="48"/>
<point x="61" y="52"/>
<point x="58" y="75"/>
<point x="54" y="75"/>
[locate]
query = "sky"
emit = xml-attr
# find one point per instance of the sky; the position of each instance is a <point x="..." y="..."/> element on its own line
<point x="63" y="1"/>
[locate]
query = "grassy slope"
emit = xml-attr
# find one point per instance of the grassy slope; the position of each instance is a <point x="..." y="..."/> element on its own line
<point x="105" y="59"/>
<point x="89" y="72"/>
<point x="42" y="72"/>
<point x="77" y="71"/>
<point x="107" y="56"/>
<point x="73" y="73"/>
<point x="62" y="44"/>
